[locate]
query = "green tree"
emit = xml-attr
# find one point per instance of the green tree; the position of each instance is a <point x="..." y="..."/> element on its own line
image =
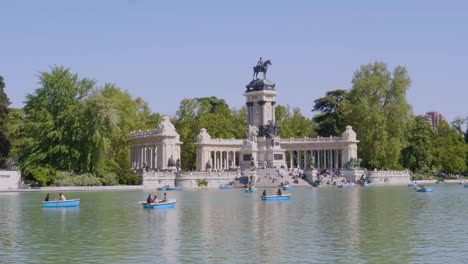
<point x="379" y="113"/>
<point x="417" y="155"/>
<point x="330" y="119"/>
<point x="130" y="115"/>
<point x="449" y="149"/>
<point x="52" y="120"/>
<point x="15" y="134"/>
<point x="457" y="124"/>
<point x="4" y="110"/>
<point x="186" y="126"/>
<point x="210" y="113"/>
<point x="293" y="124"/>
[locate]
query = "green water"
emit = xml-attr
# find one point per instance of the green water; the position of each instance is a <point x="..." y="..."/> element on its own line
<point x="318" y="225"/>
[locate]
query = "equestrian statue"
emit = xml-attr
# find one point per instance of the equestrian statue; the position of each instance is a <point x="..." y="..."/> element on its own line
<point x="261" y="67"/>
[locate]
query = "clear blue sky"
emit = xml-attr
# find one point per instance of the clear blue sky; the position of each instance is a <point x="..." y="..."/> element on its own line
<point x="165" y="51"/>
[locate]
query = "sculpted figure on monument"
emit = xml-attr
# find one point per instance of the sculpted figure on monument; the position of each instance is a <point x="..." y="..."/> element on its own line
<point x="171" y="162"/>
<point x="252" y="133"/>
<point x="353" y="164"/>
<point x="260" y="62"/>
<point x="252" y="164"/>
<point x="208" y="165"/>
<point x="261" y="67"/>
<point x="270" y="130"/>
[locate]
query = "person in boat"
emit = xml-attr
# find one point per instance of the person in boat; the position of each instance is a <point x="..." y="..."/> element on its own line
<point x="264" y="193"/>
<point x="47" y="198"/>
<point x="155" y="198"/>
<point x="62" y="197"/>
<point x="149" y="199"/>
<point x="278" y="192"/>
<point x="164" y="198"/>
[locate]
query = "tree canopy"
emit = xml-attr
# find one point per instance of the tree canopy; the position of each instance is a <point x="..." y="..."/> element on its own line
<point x="72" y="125"/>
<point x="379" y="113"/>
<point x="417" y="155"/>
<point x="330" y="119"/>
<point x="4" y="110"/>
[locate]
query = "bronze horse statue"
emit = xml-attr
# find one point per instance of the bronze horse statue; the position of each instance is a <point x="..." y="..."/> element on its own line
<point x="259" y="68"/>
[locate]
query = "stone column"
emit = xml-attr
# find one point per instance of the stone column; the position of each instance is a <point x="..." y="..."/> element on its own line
<point x="262" y="112"/>
<point x="321" y="158"/>
<point x="139" y="157"/>
<point x="234" y="159"/>
<point x="291" y="158"/>
<point x="336" y="158"/>
<point x="223" y="154"/>
<point x="273" y="117"/>
<point x="299" y="158"/>
<point x="249" y="112"/>
<point x="306" y="165"/>
<point x="215" y="160"/>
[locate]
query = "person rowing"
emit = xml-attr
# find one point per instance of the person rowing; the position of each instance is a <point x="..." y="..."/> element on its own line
<point x="149" y="199"/>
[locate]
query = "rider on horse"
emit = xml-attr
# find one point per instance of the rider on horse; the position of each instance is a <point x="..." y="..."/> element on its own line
<point x="260" y="62"/>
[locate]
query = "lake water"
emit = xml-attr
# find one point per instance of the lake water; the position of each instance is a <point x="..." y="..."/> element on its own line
<point x="318" y="225"/>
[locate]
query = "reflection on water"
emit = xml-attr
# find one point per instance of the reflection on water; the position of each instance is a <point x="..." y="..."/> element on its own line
<point x="356" y="225"/>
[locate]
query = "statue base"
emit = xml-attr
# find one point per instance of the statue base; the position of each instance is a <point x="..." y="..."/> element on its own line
<point x="249" y="150"/>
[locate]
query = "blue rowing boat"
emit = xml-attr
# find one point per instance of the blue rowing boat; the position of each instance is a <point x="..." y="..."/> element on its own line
<point x="276" y="197"/>
<point x="174" y="189"/>
<point x="439" y="182"/>
<point x="161" y="188"/>
<point x="287" y="188"/>
<point x="411" y="184"/>
<point x="368" y="185"/>
<point x="226" y="187"/>
<point x="250" y="191"/>
<point x="424" y="189"/>
<point x="159" y="205"/>
<point x="345" y="186"/>
<point x="59" y="204"/>
<point x="465" y="185"/>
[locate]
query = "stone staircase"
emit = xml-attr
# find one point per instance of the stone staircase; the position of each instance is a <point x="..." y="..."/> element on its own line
<point x="264" y="177"/>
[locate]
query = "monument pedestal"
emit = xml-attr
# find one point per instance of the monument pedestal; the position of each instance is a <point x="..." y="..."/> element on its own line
<point x="270" y="153"/>
<point x="311" y="175"/>
<point x="249" y="150"/>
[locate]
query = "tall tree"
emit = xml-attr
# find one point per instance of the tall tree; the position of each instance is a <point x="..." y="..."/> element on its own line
<point x="457" y="124"/>
<point x="379" y="113"/>
<point x="293" y="124"/>
<point x="417" y="155"/>
<point x="118" y="114"/>
<point x="4" y="110"/>
<point x="449" y="150"/>
<point x="52" y="120"/>
<point x="330" y="119"/>
<point x="210" y="113"/>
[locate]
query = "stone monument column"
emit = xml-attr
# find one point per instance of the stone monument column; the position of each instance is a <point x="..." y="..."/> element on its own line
<point x="261" y="98"/>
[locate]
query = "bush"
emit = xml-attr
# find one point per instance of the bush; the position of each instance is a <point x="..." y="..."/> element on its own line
<point x="70" y="179"/>
<point x="128" y="177"/>
<point x="202" y="182"/>
<point x="109" y="179"/>
<point x="44" y="176"/>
